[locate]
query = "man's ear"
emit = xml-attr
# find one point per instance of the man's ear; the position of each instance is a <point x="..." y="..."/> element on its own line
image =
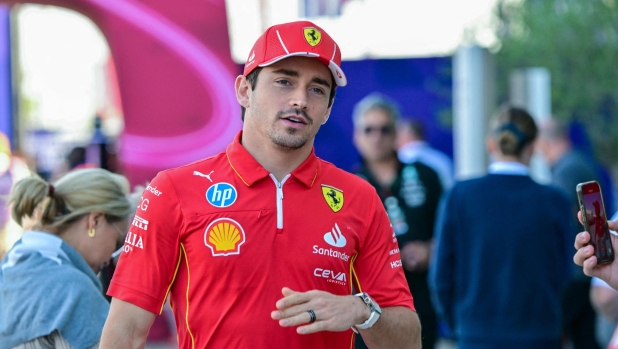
<point x="491" y="144"/>
<point x="243" y="90"/>
<point x="355" y="139"/>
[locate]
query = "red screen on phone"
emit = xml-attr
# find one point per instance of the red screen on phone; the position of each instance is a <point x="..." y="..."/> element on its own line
<point x="597" y="221"/>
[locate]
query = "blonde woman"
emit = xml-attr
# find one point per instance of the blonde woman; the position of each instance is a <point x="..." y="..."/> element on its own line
<point x="50" y="296"/>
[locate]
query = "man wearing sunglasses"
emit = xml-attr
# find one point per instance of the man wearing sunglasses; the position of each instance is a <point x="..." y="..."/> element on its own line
<point x="410" y="194"/>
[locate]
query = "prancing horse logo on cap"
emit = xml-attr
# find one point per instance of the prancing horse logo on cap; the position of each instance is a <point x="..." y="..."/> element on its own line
<point x="313" y="36"/>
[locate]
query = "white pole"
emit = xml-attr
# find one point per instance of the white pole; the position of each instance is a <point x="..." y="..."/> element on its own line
<point x="473" y="102"/>
<point x="530" y="89"/>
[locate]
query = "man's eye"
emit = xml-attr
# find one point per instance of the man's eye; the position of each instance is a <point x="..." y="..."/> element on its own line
<point x="283" y="82"/>
<point x="318" y="90"/>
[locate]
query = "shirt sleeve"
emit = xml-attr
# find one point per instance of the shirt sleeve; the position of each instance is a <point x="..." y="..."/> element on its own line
<point x="151" y="252"/>
<point x="377" y="270"/>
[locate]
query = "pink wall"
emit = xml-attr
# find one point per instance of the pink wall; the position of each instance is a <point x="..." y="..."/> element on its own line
<point x="175" y="75"/>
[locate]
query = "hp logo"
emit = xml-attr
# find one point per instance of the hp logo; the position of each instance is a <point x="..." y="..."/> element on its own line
<point x="221" y="195"/>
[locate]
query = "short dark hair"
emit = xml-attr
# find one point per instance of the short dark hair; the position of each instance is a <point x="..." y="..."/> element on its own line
<point x="253" y="76"/>
<point x="554" y="129"/>
<point x="376" y="101"/>
<point x="417" y="128"/>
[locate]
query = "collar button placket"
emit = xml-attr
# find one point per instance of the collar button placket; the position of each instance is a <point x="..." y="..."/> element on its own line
<point x="279" y="186"/>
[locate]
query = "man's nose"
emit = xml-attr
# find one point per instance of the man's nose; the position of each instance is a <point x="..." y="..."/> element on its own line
<point x="299" y="99"/>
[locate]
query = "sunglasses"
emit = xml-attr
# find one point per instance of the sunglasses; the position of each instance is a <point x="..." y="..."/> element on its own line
<point x="383" y="130"/>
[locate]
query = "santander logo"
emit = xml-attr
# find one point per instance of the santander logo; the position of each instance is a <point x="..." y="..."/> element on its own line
<point x="335" y="237"/>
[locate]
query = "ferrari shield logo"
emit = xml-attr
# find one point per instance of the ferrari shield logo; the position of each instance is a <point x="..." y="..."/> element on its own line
<point x="333" y="197"/>
<point x="313" y="36"/>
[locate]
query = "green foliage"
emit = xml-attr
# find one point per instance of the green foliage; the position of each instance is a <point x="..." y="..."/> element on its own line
<point x="577" y="40"/>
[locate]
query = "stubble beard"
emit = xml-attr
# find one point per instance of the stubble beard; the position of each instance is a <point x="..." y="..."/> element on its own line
<point x="292" y="139"/>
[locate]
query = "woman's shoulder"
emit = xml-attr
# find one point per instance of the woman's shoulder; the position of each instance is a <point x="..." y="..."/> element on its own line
<point x="53" y="274"/>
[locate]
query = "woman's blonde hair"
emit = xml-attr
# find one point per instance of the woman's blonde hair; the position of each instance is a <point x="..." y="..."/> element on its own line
<point x="76" y="194"/>
<point x="513" y="129"/>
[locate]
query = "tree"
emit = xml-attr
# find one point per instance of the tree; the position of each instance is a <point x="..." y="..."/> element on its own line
<point x="577" y="40"/>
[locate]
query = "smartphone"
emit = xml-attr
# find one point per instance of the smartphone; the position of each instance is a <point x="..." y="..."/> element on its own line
<point x="595" y="220"/>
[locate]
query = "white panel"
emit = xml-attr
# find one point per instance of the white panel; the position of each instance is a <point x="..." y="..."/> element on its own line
<point x="374" y="28"/>
<point x="472" y="103"/>
<point x="530" y="89"/>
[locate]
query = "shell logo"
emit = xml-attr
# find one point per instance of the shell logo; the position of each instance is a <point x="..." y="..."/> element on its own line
<point x="224" y="236"/>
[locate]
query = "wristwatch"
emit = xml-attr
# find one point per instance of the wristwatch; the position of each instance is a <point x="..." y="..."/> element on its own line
<point x="375" y="309"/>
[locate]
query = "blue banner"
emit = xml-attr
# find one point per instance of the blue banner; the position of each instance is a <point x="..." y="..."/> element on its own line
<point x="6" y="102"/>
<point x="421" y="86"/>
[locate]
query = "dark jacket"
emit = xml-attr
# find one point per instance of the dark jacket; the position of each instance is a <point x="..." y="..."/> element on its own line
<point x="503" y="257"/>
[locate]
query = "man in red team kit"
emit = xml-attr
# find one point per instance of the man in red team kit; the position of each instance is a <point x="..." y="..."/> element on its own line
<point x="264" y="245"/>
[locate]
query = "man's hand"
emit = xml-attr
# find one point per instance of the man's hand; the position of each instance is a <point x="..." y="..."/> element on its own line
<point x="415" y="256"/>
<point x="585" y="257"/>
<point x="333" y="313"/>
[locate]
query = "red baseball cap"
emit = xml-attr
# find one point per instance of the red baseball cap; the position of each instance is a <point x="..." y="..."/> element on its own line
<point x="301" y="38"/>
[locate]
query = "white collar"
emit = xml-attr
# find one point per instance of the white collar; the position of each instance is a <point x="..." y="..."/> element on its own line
<point x="509" y="168"/>
<point x="415" y="145"/>
<point x="48" y="245"/>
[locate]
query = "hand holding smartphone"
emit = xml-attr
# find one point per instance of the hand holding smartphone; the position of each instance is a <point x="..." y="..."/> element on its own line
<point x="594" y="220"/>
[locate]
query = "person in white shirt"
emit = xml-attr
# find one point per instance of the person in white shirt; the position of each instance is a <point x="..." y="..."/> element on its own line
<point x="413" y="147"/>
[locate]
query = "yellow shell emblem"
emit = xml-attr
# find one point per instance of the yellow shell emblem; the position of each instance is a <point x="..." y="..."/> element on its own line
<point x="333" y="197"/>
<point x="313" y="36"/>
<point x="224" y="237"/>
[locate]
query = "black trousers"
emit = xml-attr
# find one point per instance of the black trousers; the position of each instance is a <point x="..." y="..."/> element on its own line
<point x="579" y="318"/>
<point x="424" y="309"/>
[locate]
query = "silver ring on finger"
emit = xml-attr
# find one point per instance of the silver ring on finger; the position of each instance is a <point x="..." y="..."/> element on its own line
<point x="312" y="316"/>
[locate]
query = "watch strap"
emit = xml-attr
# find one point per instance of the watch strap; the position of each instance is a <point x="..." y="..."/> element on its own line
<point x="367" y="324"/>
<point x="375" y="313"/>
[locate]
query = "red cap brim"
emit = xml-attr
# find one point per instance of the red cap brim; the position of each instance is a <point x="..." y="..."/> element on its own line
<point x="338" y="75"/>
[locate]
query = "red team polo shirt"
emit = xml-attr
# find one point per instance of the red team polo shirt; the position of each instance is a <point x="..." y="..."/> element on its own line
<point x="223" y="237"/>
